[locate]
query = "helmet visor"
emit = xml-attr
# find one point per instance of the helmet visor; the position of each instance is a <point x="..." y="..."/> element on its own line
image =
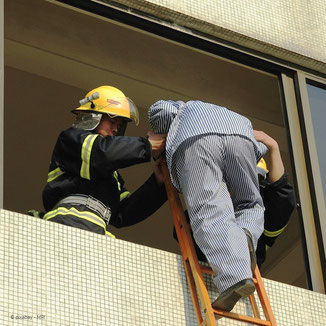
<point x="120" y="107"/>
<point x="134" y="115"/>
<point x="87" y="120"/>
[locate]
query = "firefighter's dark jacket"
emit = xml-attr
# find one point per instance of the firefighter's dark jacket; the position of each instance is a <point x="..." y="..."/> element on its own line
<point x="87" y="163"/>
<point x="279" y="203"/>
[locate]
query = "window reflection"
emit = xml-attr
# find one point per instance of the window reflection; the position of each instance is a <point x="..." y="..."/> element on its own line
<point x="317" y="100"/>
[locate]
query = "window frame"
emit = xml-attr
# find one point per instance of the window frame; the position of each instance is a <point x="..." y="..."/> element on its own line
<point x="313" y="168"/>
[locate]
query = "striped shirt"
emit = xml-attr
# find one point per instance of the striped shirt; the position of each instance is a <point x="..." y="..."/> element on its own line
<point x="184" y="120"/>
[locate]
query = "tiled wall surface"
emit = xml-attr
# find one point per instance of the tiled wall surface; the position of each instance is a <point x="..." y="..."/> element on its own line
<point x="291" y="30"/>
<point x="52" y="274"/>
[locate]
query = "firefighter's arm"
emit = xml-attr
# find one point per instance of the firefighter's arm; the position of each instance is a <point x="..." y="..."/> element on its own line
<point x="119" y="152"/>
<point x="141" y="204"/>
<point x="93" y="156"/>
<point x="279" y="204"/>
<point x="276" y="167"/>
<point x="278" y="193"/>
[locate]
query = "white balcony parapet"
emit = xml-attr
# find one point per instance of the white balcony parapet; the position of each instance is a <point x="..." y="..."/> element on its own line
<point x="58" y="275"/>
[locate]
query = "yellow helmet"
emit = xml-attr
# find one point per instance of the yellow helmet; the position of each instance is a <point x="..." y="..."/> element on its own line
<point x="104" y="100"/>
<point x="262" y="169"/>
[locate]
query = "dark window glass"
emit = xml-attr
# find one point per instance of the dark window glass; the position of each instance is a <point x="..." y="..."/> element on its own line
<point x="317" y="99"/>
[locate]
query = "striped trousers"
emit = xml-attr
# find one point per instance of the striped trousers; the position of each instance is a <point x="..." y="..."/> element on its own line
<point x="218" y="178"/>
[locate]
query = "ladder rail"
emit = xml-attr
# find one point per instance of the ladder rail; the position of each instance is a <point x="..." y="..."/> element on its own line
<point x="188" y="253"/>
<point x="264" y="298"/>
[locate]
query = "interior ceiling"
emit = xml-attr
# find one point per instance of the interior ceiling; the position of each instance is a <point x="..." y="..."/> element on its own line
<point x="54" y="55"/>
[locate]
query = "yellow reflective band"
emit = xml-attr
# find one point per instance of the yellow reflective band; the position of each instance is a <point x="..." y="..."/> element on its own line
<point x="124" y="195"/>
<point x="86" y="156"/>
<point x="73" y="211"/>
<point x="266" y="247"/>
<point x="110" y="234"/>
<point x="115" y="175"/>
<point x="273" y="234"/>
<point x="54" y="174"/>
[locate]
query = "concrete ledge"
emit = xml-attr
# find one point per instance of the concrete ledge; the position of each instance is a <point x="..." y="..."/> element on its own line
<point x="281" y="29"/>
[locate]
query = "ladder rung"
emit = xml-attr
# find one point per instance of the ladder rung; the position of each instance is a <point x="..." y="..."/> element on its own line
<point x="244" y="318"/>
<point x="206" y="269"/>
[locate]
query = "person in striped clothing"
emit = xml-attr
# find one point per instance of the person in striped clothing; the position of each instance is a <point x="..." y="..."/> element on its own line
<point x="278" y="198"/>
<point x="211" y="153"/>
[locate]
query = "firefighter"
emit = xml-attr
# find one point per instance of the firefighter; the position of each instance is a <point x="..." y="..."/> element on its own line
<point x="277" y="193"/>
<point x="84" y="188"/>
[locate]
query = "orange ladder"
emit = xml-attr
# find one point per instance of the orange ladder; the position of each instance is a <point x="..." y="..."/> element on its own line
<point x="194" y="271"/>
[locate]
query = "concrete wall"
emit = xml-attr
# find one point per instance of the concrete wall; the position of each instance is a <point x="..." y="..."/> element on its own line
<point x="290" y="30"/>
<point x="53" y="274"/>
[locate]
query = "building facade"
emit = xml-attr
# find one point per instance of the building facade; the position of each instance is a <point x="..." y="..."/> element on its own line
<point x="264" y="60"/>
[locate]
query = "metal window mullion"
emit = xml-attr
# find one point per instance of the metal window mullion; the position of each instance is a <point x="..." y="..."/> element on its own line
<point x="303" y="185"/>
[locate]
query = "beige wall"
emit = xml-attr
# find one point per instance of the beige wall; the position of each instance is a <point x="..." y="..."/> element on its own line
<point x="294" y="31"/>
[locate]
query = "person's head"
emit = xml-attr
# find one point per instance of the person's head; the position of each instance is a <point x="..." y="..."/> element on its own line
<point x="106" y="111"/>
<point x="161" y="115"/>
